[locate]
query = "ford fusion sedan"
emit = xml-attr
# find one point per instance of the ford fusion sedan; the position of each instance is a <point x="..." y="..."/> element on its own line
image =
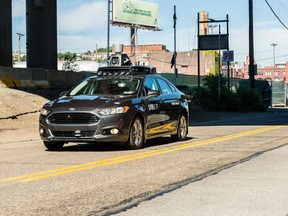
<point x="119" y="104"/>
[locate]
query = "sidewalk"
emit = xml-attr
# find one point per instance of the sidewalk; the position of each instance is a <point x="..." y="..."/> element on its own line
<point x="256" y="187"/>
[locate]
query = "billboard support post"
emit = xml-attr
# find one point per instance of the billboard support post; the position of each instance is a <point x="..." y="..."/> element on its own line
<point x="133" y="36"/>
<point x="108" y="29"/>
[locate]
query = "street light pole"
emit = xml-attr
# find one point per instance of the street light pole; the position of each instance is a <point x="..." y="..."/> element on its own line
<point x="212" y="27"/>
<point x="274" y="45"/>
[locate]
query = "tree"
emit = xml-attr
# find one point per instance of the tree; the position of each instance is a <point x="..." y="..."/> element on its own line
<point x="70" y="62"/>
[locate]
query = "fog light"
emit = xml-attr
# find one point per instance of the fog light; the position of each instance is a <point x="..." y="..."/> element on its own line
<point x="42" y="131"/>
<point x="114" y="131"/>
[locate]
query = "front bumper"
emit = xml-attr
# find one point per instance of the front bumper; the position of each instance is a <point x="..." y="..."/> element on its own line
<point x="97" y="132"/>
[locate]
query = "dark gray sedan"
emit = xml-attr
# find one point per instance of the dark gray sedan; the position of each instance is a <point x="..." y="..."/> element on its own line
<point x="119" y="104"/>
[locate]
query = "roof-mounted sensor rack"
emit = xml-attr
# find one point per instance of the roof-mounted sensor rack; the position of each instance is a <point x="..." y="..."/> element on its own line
<point x="125" y="70"/>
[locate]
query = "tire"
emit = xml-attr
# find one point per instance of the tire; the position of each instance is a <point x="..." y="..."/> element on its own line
<point x="182" y="130"/>
<point x="53" y="146"/>
<point x="136" y="135"/>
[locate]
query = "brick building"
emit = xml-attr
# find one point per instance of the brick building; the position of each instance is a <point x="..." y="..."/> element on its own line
<point x="186" y="62"/>
<point x="158" y="56"/>
<point x="277" y="73"/>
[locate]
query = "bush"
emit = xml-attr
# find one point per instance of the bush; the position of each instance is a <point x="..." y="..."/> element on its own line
<point x="251" y="100"/>
<point x="242" y="99"/>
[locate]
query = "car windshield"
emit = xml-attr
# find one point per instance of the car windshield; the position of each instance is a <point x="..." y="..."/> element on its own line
<point x="110" y="86"/>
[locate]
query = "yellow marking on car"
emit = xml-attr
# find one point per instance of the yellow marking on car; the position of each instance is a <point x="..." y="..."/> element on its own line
<point x="132" y="157"/>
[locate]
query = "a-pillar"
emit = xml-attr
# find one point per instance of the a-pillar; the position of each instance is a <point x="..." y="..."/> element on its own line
<point x="41" y="34"/>
<point x="6" y="33"/>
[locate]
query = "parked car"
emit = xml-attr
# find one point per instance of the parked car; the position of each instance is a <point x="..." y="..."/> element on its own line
<point x="129" y="104"/>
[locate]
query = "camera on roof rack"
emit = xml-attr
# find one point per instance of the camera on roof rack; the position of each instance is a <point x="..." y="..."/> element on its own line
<point x="119" y="59"/>
<point x="119" y="64"/>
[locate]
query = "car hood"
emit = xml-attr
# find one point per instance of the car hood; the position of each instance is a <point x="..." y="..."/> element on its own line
<point x="89" y="101"/>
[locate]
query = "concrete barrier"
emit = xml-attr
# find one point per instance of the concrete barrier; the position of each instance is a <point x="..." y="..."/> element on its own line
<point x="38" y="78"/>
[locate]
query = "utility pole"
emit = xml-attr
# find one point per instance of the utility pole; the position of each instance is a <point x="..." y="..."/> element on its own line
<point x="19" y="45"/>
<point x="219" y="63"/>
<point x="251" y="46"/>
<point x="175" y="54"/>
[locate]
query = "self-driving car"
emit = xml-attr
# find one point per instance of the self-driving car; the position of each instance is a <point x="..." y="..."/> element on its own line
<point x="125" y="104"/>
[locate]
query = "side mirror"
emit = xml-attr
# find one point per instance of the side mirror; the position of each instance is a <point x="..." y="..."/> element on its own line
<point x="187" y="97"/>
<point x="65" y="93"/>
<point x="152" y="93"/>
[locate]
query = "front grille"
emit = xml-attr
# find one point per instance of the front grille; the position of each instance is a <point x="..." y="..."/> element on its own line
<point x="83" y="134"/>
<point x="73" y="118"/>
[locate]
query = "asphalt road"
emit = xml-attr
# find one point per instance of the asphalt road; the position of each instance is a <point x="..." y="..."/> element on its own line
<point x="101" y="179"/>
<point x="256" y="187"/>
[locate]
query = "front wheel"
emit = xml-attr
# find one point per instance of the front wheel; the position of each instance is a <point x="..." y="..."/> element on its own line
<point x="53" y="146"/>
<point x="136" y="135"/>
<point x="182" y="129"/>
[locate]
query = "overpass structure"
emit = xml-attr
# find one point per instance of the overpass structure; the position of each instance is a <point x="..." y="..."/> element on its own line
<point x="41" y="33"/>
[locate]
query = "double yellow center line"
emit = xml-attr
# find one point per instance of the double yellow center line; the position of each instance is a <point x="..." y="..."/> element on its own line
<point x="132" y="157"/>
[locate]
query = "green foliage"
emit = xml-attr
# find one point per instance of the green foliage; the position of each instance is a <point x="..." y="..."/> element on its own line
<point x="23" y="58"/>
<point x="251" y="99"/>
<point x="104" y="49"/>
<point x="242" y="99"/>
<point x="69" y="61"/>
<point x="214" y="68"/>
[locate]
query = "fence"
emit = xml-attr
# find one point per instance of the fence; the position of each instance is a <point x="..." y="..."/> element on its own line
<point x="279" y="93"/>
<point x="273" y="93"/>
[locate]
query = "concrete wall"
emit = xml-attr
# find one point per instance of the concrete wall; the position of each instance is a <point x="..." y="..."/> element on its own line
<point x="41" y="35"/>
<point x="38" y="78"/>
<point x="5" y="33"/>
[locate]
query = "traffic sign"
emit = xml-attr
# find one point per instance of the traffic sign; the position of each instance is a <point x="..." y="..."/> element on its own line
<point x="228" y="56"/>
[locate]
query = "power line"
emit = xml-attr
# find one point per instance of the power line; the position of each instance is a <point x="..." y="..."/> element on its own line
<point x="271" y="58"/>
<point x="276" y="14"/>
<point x="263" y="51"/>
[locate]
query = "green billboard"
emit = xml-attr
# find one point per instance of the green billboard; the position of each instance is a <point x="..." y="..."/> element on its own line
<point x="132" y="12"/>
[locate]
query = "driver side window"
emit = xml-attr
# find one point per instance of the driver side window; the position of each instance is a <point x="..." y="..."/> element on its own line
<point x="150" y="84"/>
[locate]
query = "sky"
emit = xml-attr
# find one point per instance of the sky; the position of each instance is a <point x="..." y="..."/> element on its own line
<point x="82" y="25"/>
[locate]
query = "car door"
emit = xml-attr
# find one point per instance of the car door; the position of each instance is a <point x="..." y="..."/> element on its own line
<point x="154" y="110"/>
<point x="170" y="105"/>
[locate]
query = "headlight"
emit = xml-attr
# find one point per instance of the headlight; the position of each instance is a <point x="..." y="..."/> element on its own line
<point x="112" y="111"/>
<point x="44" y="111"/>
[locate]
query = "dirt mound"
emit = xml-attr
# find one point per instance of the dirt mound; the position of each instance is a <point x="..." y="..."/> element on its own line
<point x="19" y="112"/>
